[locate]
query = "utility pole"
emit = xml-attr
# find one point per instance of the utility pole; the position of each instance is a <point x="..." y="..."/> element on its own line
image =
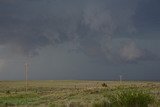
<point x="26" y="75"/>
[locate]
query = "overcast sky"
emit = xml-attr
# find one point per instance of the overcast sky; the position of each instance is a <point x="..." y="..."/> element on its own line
<point x="80" y="39"/>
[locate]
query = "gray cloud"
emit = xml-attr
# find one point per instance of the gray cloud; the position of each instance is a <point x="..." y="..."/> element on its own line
<point x="131" y="53"/>
<point x="147" y="16"/>
<point x="80" y="39"/>
<point x="90" y="25"/>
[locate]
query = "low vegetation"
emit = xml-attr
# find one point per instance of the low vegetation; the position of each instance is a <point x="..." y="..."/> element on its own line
<point x="131" y="97"/>
<point x="80" y="94"/>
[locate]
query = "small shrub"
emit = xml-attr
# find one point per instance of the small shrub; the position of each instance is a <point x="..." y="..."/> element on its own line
<point x="104" y="85"/>
<point x="75" y="104"/>
<point x="52" y="105"/>
<point x="8" y="92"/>
<point x="131" y="98"/>
<point x="101" y="104"/>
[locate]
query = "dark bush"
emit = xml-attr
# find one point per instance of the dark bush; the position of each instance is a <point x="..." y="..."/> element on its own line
<point x="104" y="85"/>
<point x="8" y="92"/>
<point x="131" y="98"/>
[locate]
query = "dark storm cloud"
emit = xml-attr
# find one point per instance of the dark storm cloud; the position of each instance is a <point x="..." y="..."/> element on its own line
<point x="147" y="16"/>
<point x="29" y="25"/>
<point x="7" y="1"/>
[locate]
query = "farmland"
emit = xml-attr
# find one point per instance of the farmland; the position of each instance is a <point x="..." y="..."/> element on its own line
<point x="73" y="93"/>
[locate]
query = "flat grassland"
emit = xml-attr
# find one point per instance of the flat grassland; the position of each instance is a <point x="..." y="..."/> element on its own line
<point x="67" y="92"/>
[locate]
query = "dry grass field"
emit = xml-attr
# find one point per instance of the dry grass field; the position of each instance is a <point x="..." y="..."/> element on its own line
<point x="74" y="93"/>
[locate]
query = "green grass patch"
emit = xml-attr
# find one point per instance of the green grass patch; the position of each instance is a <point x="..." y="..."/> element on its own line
<point x="130" y="97"/>
<point x="18" y="99"/>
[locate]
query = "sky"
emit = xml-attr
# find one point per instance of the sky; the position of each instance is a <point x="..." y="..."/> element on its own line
<point x="80" y="39"/>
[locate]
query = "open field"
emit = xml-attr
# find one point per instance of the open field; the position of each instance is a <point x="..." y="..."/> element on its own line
<point x="70" y="93"/>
